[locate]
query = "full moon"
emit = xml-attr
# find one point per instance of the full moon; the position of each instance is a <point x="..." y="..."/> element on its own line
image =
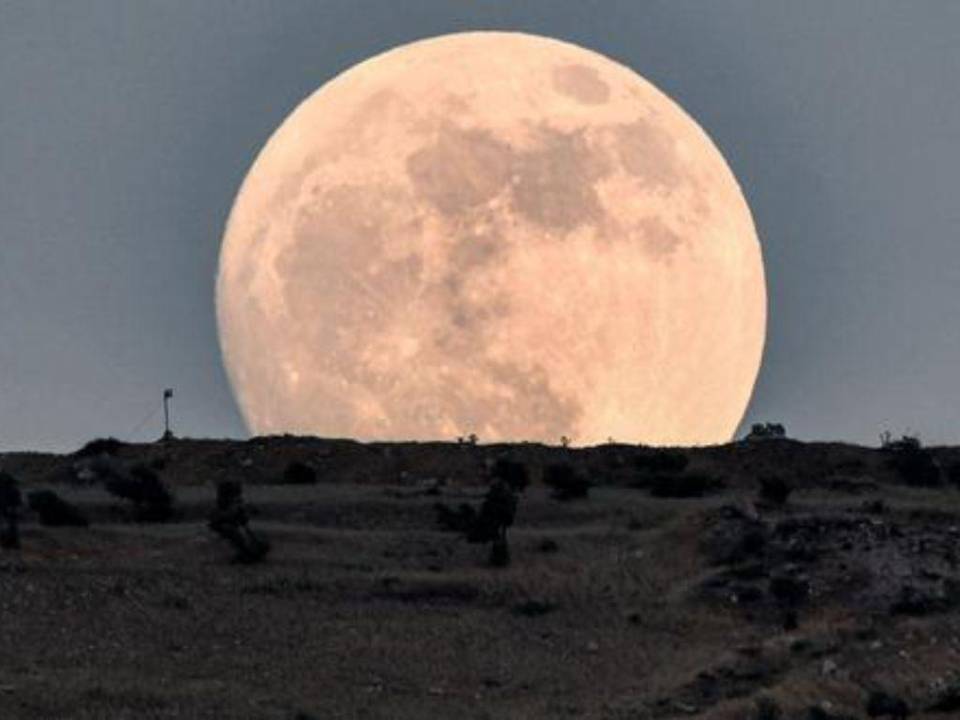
<point x="492" y="233"/>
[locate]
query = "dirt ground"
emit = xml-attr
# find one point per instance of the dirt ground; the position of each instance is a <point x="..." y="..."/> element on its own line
<point x="365" y="608"/>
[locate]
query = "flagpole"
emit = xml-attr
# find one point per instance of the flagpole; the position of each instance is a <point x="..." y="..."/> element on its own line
<point x="167" y="394"/>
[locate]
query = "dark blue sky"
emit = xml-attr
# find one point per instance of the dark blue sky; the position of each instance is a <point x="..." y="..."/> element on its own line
<point x="126" y="128"/>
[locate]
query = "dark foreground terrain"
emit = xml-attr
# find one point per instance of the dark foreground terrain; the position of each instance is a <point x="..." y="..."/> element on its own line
<point x="843" y="601"/>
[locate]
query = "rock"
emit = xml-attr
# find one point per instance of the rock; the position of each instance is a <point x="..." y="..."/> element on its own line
<point x="828" y="668"/>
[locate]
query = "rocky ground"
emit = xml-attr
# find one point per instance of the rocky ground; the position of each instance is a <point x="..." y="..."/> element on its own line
<point x="757" y="580"/>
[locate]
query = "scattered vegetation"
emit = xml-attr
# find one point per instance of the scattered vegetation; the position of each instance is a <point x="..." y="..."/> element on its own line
<point x="229" y="521"/>
<point x="54" y="511"/>
<point x="152" y="501"/>
<point x="766" y="431"/>
<point x="912" y="462"/>
<point x="566" y="482"/>
<point x="10" y="501"/>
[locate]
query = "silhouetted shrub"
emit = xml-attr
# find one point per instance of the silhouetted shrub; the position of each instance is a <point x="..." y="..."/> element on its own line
<point x="766" y="431"/>
<point x="656" y="462"/>
<point x="914" y="464"/>
<point x="10" y="502"/>
<point x="298" y="473"/>
<point x="566" y="482"/>
<point x="152" y="501"/>
<point x="684" y="486"/>
<point x="496" y="514"/>
<point x="490" y="524"/>
<point x="229" y="521"/>
<point x="774" y="490"/>
<point x="100" y="446"/>
<point x="513" y="473"/>
<point x="54" y="510"/>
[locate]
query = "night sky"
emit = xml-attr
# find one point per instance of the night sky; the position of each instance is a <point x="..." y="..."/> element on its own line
<point x="127" y="127"/>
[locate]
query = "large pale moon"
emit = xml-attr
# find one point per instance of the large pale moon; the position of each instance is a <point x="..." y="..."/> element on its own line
<point x="492" y="233"/>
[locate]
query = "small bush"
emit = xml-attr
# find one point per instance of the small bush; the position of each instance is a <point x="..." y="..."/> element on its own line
<point x="298" y="473"/>
<point x="566" y="482"/>
<point x="496" y="514"/>
<point x="152" y="501"/>
<point x="766" y="431"/>
<point x="915" y="465"/>
<point x="54" y="510"/>
<point x="489" y="524"/>
<point x="229" y="521"/>
<point x="100" y="446"/>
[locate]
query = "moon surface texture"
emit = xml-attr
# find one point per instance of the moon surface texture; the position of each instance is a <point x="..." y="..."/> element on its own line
<point x="492" y="233"/>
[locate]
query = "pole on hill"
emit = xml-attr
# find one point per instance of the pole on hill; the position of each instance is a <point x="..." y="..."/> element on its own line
<point x="167" y="394"/>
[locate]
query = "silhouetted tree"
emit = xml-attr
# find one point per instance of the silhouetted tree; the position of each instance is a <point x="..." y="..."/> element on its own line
<point x="497" y="512"/>
<point x="766" y="431"/>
